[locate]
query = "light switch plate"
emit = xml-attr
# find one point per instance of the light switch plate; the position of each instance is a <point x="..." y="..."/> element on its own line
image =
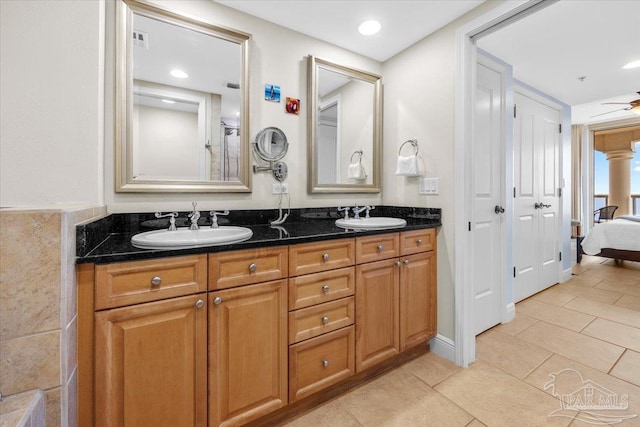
<point x="428" y="186"/>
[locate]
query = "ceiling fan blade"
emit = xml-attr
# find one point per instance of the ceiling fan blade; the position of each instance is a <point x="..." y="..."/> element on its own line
<point x="609" y="112"/>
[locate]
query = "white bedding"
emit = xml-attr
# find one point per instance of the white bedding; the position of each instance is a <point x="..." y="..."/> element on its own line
<point x="622" y="234"/>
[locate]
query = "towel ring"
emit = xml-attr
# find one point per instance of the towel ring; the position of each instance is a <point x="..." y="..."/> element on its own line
<point x="354" y="153"/>
<point x="411" y="141"/>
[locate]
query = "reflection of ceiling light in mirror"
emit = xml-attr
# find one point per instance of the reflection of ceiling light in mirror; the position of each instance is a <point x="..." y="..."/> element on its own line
<point x="169" y="101"/>
<point x="633" y="64"/>
<point x="179" y="74"/>
<point x="237" y="113"/>
<point x="368" y="28"/>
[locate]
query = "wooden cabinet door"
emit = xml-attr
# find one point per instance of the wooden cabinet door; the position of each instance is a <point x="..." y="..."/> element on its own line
<point x="151" y="364"/>
<point x="418" y="299"/>
<point x="247" y="352"/>
<point x="377" y="316"/>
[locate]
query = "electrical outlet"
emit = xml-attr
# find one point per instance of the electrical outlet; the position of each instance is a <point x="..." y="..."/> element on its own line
<point x="279" y="188"/>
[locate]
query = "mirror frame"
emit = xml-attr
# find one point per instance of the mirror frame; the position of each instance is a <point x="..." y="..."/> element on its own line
<point x="123" y="101"/>
<point x="314" y="64"/>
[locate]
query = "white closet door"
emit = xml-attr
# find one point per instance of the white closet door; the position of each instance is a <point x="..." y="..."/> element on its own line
<point x="488" y="190"/>
<point x="536" y="172"/>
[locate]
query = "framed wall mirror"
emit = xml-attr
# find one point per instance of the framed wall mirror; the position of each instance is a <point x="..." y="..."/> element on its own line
<point x="182" y="103"/>
<point x="344" y="129"/>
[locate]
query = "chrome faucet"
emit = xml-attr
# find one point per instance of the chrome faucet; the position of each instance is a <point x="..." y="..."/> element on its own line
<point x="356" y="211"/>
<point x="172" y="219"/>
<point x="194" y="217"/>
<point x="368" y="209"/>
<point x="214" y="217"/>
<point x="345" y="210"/>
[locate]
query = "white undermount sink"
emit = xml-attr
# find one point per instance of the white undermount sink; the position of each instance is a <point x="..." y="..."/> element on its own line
<point x="185" y="238"/>
<point x="372" y="223"/>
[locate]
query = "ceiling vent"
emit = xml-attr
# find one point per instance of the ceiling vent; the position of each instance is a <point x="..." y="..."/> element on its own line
<point x="233" y="85"/>
<point x="140" y="38"/>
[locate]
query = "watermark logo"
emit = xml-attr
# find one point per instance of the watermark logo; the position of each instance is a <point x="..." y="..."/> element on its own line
<point x="586" y="400"/>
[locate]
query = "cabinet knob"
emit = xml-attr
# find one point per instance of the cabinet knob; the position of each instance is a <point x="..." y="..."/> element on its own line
<point x="217" y="300"/>
<point x="199" y="303"/>
<point x="419" y="242"/>
<point x="253" y="267"/>
<point x="156" y="281"/>
<point x="325" y="257"/>
<point x="325" y="288"/>
<point x="325" y="320"/>
<point x="380" y="248"/>
<point x="325" y="363"/>
<point x="398" y="263"/>
<point x="406" y="261"/>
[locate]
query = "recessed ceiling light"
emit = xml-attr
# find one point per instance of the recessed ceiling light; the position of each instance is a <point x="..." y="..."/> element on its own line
<point x="368" y="28"/>
<point x="179" y="74"/>
<point x="169" y="101"/>
<point x="633" y="64"/>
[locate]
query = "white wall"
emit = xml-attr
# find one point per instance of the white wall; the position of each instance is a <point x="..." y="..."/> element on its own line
<point x="278" y="57"/>
<point x="51" y="80"/>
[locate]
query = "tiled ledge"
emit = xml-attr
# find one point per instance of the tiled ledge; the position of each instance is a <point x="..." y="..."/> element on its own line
<point x="23" y="410"/>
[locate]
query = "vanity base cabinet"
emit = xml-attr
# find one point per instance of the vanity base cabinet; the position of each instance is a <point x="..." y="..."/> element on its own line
<point x="247" y="352"/>
<point x="377" y="303"/>
<point x="151" y="364"/>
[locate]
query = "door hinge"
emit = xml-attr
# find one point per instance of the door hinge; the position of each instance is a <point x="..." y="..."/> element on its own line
<point x="514" y="111"/>
<point x="559" y="192"/>
<point x="560" y="255"/>
<point x="560" y="128"/>
<point x="469" y="225"/>
<point x="514" y="272"/>
<point x="514" y="192"/>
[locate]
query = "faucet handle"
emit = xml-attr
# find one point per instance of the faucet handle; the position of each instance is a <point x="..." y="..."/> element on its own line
<point x="172" y="219"/>
<point x="368" y="209"/>
<point x="345" y="210"/>
<point x="214" y="217"/>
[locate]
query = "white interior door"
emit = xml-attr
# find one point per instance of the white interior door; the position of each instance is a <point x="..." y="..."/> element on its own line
<point x="536" y="144"/>
<point x="488" y="190"/>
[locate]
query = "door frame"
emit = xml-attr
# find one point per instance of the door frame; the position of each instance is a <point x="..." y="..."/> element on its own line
<point x="465" y="79"/>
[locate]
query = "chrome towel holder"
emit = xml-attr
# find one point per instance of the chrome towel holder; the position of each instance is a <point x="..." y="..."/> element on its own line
<point x="413" y="142"/>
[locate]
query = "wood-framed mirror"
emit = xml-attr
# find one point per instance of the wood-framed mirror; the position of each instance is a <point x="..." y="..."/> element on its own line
<point x="182" y="103"/>
<point x="344" y="128"/>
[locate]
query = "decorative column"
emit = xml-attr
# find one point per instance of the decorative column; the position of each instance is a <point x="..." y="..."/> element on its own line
<point x="619" y="146"/>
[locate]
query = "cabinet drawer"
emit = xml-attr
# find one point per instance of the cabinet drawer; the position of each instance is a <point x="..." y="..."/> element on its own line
<point x="317" y="320"/>
<point x="127" y="283"/>
<point x="308" y="258"/>
<point x="317" y="288"/>
<point x="320" y="362"/>
<point x="376" y="248"/>
<point x="413" y="242"/>
<point x="237" y="268"/>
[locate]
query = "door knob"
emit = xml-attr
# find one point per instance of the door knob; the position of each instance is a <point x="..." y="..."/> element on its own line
<point x="538" y="206"/>
<point x="498" y="209"/>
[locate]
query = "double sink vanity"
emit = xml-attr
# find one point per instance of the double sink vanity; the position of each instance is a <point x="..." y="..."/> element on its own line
<point x="252" y="331"/>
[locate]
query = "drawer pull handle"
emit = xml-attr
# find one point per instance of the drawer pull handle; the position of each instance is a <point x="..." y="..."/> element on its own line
<point x="325" y="288"/>
<point x="419" y="242"/>
<point x="199" y="303"/>
<point x="217" y="300"/>
<point x="325" y="363"/>
<point x="325" y="257"/>
<point x="406" y="261"/>
<point x="325" y="320"/>
<point x="380" y="248"/>
<point x="156" y="281"/>
<point x="253" y="267"/>
<point x="398" y="263"/>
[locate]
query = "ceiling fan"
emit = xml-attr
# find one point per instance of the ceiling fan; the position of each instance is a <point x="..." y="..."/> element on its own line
<point x="631" y="105"/>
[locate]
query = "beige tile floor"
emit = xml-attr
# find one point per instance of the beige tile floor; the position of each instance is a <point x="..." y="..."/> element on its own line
<point x="585" y="332"/>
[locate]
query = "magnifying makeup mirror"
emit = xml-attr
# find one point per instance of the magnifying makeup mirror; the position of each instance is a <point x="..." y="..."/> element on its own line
<point x="271" y="145"/>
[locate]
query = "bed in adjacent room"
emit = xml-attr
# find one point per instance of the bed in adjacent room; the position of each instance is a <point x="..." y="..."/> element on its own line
<point x="618" y="239"/>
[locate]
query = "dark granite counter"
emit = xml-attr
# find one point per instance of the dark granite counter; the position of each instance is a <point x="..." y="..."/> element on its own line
<point x="109" y="239"/>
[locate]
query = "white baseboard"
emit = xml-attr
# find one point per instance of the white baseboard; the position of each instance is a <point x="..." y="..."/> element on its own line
<point x="566" y="275"/>
<point x="510" y="313"/>
<point x="444" y="347"/>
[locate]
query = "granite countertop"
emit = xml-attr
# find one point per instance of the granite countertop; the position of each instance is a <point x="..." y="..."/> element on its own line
<point x="109" y="239"/>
